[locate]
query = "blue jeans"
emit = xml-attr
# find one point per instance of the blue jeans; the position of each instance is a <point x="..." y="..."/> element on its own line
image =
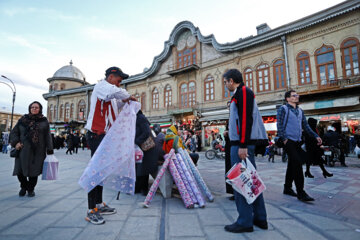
<point x="4" y="148"/>
<point x="247" y="212"/>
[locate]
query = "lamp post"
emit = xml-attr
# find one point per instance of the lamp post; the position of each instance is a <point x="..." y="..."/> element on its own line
<point x="13" y="100"/>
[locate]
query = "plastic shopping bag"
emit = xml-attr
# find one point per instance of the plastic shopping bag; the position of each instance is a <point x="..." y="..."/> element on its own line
<point x="50" y="168"/>
<point x="244" y="179"/>
<point x="138" y="154"/>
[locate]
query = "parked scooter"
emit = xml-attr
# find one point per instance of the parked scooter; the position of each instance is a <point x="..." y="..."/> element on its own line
<point x="332" y="155"/>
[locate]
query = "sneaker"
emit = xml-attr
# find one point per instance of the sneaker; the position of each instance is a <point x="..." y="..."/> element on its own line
<point x="94" y="217"/>
<point x="106" y="210"/>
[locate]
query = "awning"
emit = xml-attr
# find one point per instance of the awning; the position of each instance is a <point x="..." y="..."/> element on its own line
<point x="215" y="117"/>
<point x="330" y="103"/>
<point x="163" y="125"/>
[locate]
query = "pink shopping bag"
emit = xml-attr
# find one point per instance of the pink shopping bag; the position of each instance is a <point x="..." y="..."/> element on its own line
<point x="139" y="154"/>
<point x="50" y="168"/>
<point x="244" y="179"/>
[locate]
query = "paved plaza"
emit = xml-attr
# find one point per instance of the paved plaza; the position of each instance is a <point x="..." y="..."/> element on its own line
<point x="59" y="207"/>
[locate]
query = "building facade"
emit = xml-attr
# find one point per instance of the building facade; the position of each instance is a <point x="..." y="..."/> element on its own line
<point x="5" y="120"/>
<point x="318" y="56"/>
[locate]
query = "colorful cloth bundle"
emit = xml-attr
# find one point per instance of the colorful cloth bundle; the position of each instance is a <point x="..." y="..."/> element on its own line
<point x="186" y="177"/>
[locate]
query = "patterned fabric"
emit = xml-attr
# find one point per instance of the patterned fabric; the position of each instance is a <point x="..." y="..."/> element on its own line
<point x="194" y="188"/>
<point x="113" y="164"/>
<point x="156" y="182"/>
<point x="196" y="174"/>
<point x="184" y="179"/>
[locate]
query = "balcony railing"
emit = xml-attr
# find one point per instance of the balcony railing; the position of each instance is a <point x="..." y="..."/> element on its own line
<point x="330" y="85"/>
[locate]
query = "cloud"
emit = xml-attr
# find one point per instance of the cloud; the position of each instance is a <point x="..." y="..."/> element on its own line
<point x="49" y="13"/>
<point x="23" y="42"/>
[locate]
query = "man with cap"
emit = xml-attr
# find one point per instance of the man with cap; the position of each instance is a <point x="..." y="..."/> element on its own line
<point x="106" y="100"/>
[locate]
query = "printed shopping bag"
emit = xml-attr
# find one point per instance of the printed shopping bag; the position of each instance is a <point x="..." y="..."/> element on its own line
<point x="50" y="168"/>
<point x="244" y="179"/>
<point x="138" y="154"/>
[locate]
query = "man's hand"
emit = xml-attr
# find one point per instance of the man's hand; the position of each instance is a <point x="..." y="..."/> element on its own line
<point x="19" y="146"/>
<point x="243" y="153"/>
<point x="131" y="98"/>
<point x="319" y="141"/>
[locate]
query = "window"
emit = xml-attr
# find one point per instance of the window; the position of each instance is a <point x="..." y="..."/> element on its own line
<point x="187" y="95"/>
<point x="55" y="110"/>
<point x="279" y="74"/>
<point x="186" y="57"/>
<point x="263" y="80"/>
<point x="81" y="110"/>
<point x="248" y="77"/>
<point x="62" y="86"/>
<point x="72" y="111"/>
<point x="50" y="88"/>
<point x="50" y="115"/>
<point x="168" y="96"/>
<point x="209" y="88"/>
<point x="325" y="65"/>
<point x="61" y="111"/>
<point x="304" y="70"/>
<point x="142" y="101"/>
<point x="226" y="92"/>
<point x="55" y="87"/>
<point x="67" y="112"/>
<point x="350" y="57"/>
<point x="155" y="99"/>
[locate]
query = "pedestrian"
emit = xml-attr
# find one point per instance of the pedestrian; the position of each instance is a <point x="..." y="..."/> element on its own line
<point x="31" y="136"/>
<point x="70" y="143"/>
<point x="76" y="142"/>
<point x="159" y="142"/>
<point x="83" y="142"/>
<point x="291" y="122"/>
<point x="313" y="152"/>
<point x="228" y="187"/>
<point x="242" y="126"/>
<point x="199" y="143"/>
<point x="150" y="158"/>
<point x="106" y="100"/>
<point x="271" y="152"/>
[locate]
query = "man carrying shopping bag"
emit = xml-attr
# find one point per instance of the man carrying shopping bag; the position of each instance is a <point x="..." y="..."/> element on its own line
<point x="245" y="127"/>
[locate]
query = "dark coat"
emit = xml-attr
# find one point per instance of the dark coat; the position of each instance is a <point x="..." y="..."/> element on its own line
<point x="143" y="131"/>
<point x="31" y="158"/>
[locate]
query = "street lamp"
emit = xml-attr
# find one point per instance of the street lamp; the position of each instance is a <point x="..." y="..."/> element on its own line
<point x="13" y="100"/>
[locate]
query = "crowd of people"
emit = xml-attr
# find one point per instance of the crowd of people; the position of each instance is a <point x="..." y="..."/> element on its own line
<point x="245" y="131"/>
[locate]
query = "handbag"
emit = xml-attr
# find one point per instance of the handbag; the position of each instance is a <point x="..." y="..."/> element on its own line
<point x="148" y="144"/>
<point x="138" y="154"/>
<point x="14" y="153"/>
<point x="245" y="180"/>
<point x="50" y="168"/>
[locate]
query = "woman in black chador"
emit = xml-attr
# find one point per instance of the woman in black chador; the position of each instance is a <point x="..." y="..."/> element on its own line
<point x="31" y="136"/>
<point x="314" y="152"/>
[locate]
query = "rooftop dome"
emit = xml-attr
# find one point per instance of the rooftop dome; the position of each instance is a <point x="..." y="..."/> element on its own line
<point x="69" y="71"/>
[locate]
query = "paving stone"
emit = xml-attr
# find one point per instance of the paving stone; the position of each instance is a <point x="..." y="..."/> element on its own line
<point x="218" y="232"/>
<point x="323" y="222"/>
<point x="152" y="211"/>
<point x="11" y="215"/>
<point x="108" y="231"/>
<point x="73" y="218"/>
<point x="275" y="213"/>
<point x="59" y="234"/>
<point x="64" y="205"/>
<point x="212" y="216"/>
<point x="28" y="226"/>
<point x="141" y="227"/>
<point x="295" y="230"/>
<point x="176" y="205"/>
<point x="351" y="189"/>
<point x="347" y="234"/>
<point x="184" y="225"/>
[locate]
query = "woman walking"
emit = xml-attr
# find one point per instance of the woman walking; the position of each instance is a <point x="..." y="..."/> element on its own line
<point x="31" y="137"/>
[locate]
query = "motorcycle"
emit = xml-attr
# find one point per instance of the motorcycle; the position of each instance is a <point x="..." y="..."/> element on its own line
<point x="332" y="155"/>
<point x="218" y="151"/>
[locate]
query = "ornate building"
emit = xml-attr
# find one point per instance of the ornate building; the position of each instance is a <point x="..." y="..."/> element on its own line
<point x="318" y="56"/>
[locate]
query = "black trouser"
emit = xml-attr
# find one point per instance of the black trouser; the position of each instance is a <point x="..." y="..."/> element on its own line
<point x="76" y="149"/>
<point x="28" y="184"/>
<point x="70" y="149"/>
<point x="95" y="195"/>
<point x="294" y="170"/>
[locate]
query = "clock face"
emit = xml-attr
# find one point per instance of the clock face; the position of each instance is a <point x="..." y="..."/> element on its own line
<point x="191" y="41"/>
<point x="181" y="44"/>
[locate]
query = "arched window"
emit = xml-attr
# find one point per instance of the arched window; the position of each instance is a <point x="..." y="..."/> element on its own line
<point x="155" y="99"/>
<point x="67" y="112"/>
<point x="168" y="96"/>
<point x="248" y="77"/>
<point x="62" y="86"/>
<point x="61" y="111"/>
<point x="72" y="111"/>
<point x="325" y="65"/>
<point x="263" y="78"/>
<point x="50" y="88"/>
<point x="142" y="101"/>
<point x="55" y="87"/>
<point x="81" y="110"/>
<point x="186" y="57"/>
<point x="55" y="111"/>
<point x="304" y="70"/>
<point x="50" y="114"/>
<point x="279" y="74"/>
<point x="350" y="57"/>
<point x="187" y="95"/>
<point x="209" y="88"/>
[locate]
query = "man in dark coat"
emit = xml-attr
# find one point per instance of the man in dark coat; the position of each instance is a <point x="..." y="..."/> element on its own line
<point x="76" y="142"/>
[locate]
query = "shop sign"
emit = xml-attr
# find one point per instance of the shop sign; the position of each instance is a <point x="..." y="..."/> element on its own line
<point x="324" y="104"/>
<point x="329" y="118"/>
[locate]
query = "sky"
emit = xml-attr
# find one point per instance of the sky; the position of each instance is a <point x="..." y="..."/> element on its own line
<point x="37" y="37"/>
